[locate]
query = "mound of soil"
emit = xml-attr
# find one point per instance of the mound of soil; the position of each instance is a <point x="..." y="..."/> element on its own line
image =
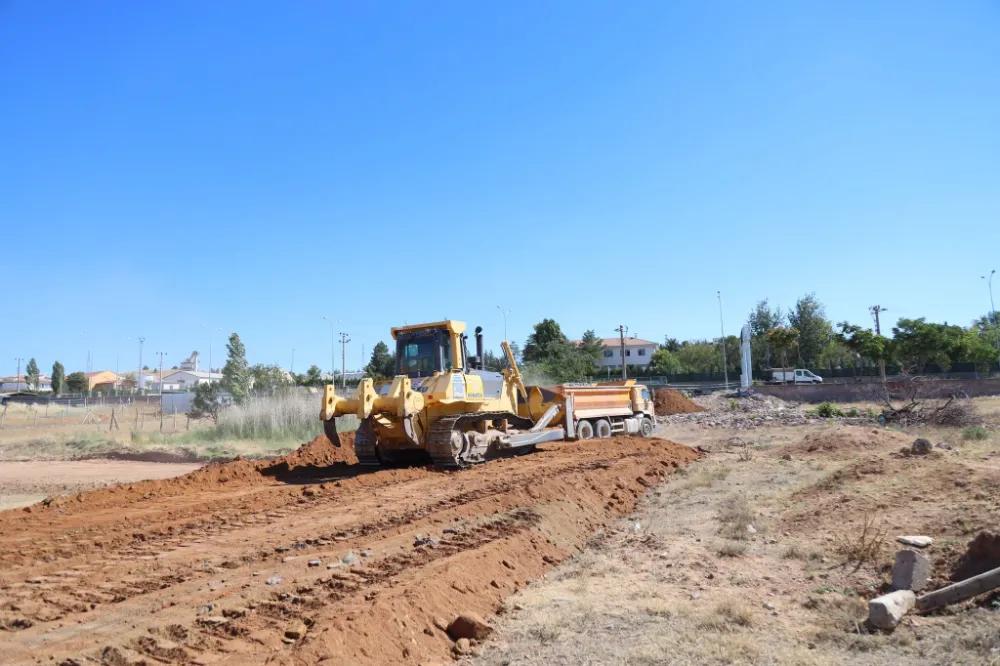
<point x="320" y="452"/>
<point x="847" y="442"/>
<point x="669" y="401"/>
<point x="982" y="555"/>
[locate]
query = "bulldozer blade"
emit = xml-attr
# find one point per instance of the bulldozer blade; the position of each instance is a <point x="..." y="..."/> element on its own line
<point x="330" y="430"/>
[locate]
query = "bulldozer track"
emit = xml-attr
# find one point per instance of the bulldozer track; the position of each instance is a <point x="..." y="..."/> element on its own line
<point x="439" y="437"/>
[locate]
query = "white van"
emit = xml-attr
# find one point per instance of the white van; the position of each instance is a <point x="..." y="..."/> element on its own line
<point x="796" y="376"/>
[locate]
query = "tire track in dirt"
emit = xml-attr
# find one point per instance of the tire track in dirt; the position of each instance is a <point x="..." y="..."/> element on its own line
<point x="122" y="582"/>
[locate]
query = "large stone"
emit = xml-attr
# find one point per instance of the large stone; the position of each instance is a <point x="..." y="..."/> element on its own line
<point x="921" y="447"/>
<point x="911" y="571"/>
<point x="915" y="541"/>
<point x="469" y="625"/>
<point x="885" y="612"/>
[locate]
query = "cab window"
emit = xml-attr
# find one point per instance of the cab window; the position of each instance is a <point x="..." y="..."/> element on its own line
<point x="645" y="394"/>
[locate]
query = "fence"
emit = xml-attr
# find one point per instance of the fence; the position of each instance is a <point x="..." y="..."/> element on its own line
<point x="829" y="375"/>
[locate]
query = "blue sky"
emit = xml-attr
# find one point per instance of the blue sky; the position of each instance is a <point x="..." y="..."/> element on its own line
<point x="255" y="166"/>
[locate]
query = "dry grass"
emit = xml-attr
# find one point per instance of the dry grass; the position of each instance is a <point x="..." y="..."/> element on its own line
<point x="733" y="549"/>
<point x="866" y="544"/>
<point x="771" y="598"/>
<point x="736" y="515"/>
<point x="727" y="616"/>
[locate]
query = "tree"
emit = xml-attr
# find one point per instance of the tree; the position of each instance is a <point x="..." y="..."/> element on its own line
<point x="700" y="356"/>
<point x="591" y="347"/>
<point x="206" y="401"/>
<point x="782" y="341"/>
<point x="498" y="362"/>
<point x="546" y="340"/>
<point x="58" y="377"/>
<point x="145" y="367"/>
<point x="313" y="377"/>
<point x="77" y="382"/>
<point x="762" y="320"/>
<point x="382" y="364"/>
<point x="979" y="349"/>
<point x="236" y="373"/>
<point x="32" y="374"/>
<point x="815" y="331"/>
<point x="665" y="362"/>
<point x="919" y="342"/>
<point x="864" y="342"/>
<point x="550" y="357"/>
<point x="670" y="344"/>
<point x="268" y="379"/>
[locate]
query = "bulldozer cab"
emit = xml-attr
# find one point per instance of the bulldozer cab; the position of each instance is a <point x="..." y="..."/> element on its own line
<point x="425" y="349"/>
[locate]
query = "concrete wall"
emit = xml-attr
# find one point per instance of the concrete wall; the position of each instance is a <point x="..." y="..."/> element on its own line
<point x="860" y="392"/>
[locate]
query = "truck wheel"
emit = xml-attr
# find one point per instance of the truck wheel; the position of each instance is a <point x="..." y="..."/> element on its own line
<point x="603" y="429"/>
<point x="584" y="430"/>
<point x="646" y="427"/>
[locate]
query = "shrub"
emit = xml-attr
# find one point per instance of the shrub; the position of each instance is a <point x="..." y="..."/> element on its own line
<point x="828" y="410"/>
<point x="975" y="432"/>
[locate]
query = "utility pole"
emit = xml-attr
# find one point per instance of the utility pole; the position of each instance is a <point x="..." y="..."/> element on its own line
<point x="343" y="359"/>
<point x="876" y="310"/>
<point x="162" y="354"/>
<point x="138" y="375"/>
<point x="722" y="326"/>
<point x="17" y="378"/>
<point x="993" y="312"/>
<point x="622" y="330"/>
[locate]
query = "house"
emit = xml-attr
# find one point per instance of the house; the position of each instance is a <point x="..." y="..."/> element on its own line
<point x="101" y="380"/>
<point x="184" y="380"/>
<point x="20" y="383"/>
<point x="637" y="352"/>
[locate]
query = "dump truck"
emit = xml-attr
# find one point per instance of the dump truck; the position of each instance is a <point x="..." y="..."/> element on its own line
<point x="444" y="405"/>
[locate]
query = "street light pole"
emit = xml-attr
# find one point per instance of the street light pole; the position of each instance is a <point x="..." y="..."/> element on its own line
<point x="210" y="331"/>
<point x="162" y="354"/>
<point x="722" y="326"/>
<point x="343" y="359"/>
<point x="138" y="375"/>
<point x="993" y="312"/>
<point x="504" y="313"/>
<point x="333" y="348"/>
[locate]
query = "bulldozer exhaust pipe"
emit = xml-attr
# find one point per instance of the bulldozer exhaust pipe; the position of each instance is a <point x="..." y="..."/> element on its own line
<point x="479" y="347"/>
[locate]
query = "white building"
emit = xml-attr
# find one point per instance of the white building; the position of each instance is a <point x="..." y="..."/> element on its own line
<point x="637" y="352"/>
<point x="20" y="383"/>
<point x="185" y="380"/>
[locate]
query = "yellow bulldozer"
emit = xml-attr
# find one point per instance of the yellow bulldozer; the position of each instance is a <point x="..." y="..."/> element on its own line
<point x="444" y="404"/>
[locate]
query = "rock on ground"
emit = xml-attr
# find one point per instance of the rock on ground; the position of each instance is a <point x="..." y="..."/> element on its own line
<point x="469" y="625"/>
<point x="911" y="571"/>
<point x="885" y="612"/>
<point x="916" y="541"/>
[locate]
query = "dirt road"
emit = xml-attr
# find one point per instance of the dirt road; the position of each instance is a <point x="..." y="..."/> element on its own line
<point x="306" y="560"/>
<point x="23" y="483"/>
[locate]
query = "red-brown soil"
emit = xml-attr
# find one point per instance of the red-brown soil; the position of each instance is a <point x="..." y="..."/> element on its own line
<point x="118" y="575"/>
<point x="669" y="401"/>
